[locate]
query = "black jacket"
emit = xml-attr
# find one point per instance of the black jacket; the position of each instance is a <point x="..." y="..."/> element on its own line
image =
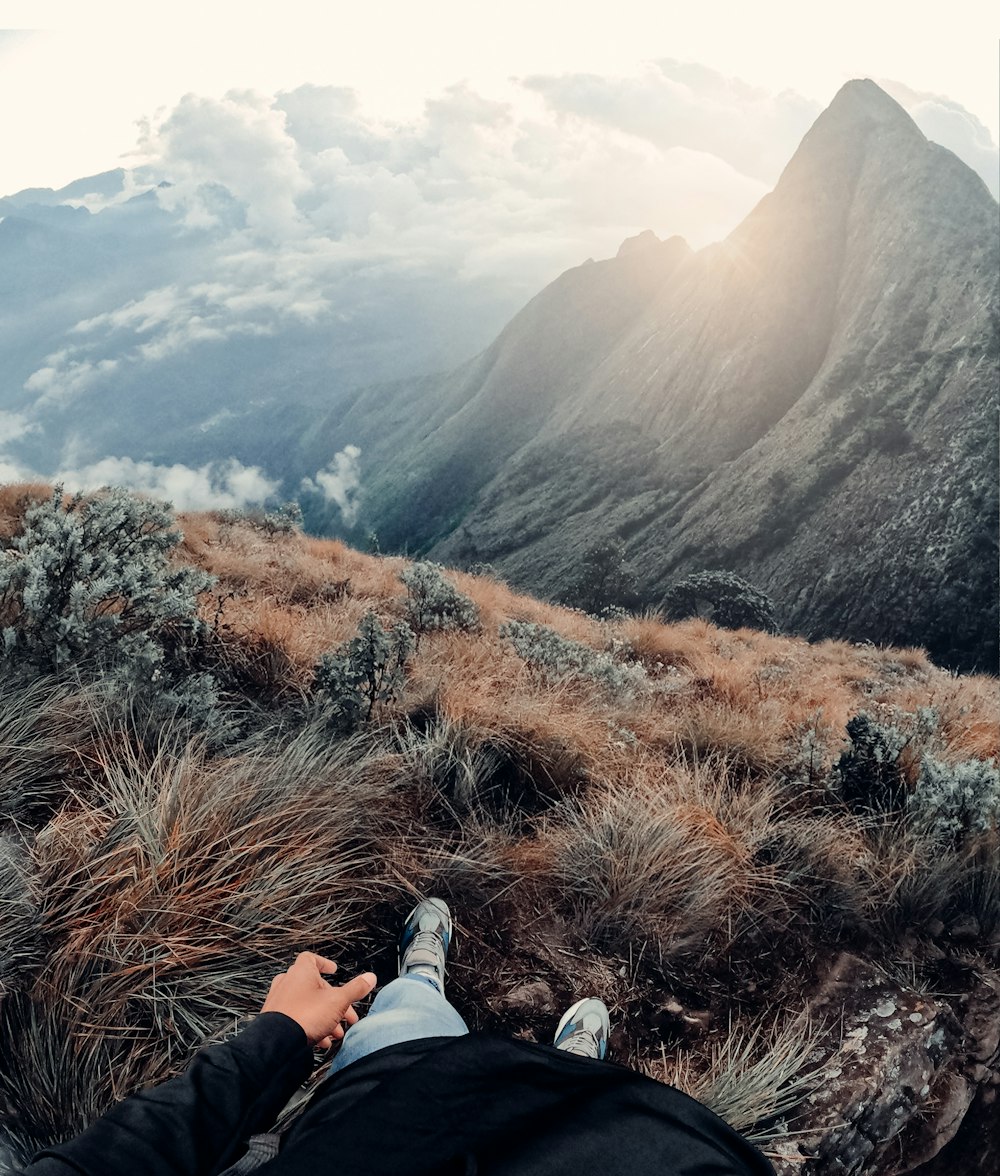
<point x="449" y="1106"/>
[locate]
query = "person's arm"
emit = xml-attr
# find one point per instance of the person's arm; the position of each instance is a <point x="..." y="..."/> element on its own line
<point x="196" y="1124"/>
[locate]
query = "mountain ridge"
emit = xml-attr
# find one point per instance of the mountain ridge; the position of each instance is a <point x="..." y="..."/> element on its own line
<point x="840" y="339"/>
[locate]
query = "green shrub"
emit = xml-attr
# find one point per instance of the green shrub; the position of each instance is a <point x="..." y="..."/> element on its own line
<point x="88" y="585"/>
<point x="869" y="773"/>
<point x="731" y="601"/>
<point x="365" y="671"/>
<point x="605" y="581"/>
<point x="432" y="602"/>
<point x="560" y="659"/>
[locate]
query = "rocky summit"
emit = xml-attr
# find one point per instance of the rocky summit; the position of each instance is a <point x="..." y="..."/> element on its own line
<point x="810" y="403"/>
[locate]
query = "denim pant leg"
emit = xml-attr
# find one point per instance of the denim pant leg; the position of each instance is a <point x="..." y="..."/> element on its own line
<point x="407" y="1008"/>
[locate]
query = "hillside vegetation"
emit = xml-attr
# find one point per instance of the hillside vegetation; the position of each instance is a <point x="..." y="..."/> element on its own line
<point x="701" y="826"/>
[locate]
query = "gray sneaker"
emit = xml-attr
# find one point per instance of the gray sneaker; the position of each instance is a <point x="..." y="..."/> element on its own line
<point x="584" y="1029"/>
<point x="425" y="940"/>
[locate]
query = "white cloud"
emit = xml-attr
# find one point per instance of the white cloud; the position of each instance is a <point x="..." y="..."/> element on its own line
<point x="218" y="485"/>
<point x="14" y="425"/>
<point x="12" y="470"/>
<point x="340" y="483"/>
<point x="240" y="143"/>
<point x="303" y="210"/>
<point x="63" y="377"/>
<point x="168" y="321"/>
<point x="215" y="486"/>
<point x="676" y="104"/>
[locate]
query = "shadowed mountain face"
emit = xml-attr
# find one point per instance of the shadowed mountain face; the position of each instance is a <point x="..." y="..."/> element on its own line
<point x="811" y="403"/>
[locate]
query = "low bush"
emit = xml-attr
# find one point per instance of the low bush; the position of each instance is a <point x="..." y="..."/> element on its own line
<point x="606" y="585"/>
<point x="727" y="599"/>
<point x="283" y="520"/>
<point x="434" y="603"/>
<point x="367" y="670"/>
<point x="870" y="773"/>
<point x="958" y="800"/>
<point x="561" y="659"/>
<point x="89" y="585"/>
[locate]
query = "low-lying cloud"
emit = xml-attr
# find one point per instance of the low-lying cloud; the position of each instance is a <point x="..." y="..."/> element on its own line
<point x="340" y="483"/>
<point x="215" y="486"/>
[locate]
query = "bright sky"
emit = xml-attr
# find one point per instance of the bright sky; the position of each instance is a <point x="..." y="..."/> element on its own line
<point x="72" y="90"/>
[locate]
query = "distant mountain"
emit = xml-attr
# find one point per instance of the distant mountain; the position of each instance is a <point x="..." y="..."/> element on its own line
<point x="811" y="403"/>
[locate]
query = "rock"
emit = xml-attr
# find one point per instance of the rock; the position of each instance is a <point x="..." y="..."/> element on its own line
<point x="982" y="1022"/>
<point x="966" y="929"/>
<point x="975" y="1150"/>
<point x="893" y="1088"/>
<point x="532" y="998"/>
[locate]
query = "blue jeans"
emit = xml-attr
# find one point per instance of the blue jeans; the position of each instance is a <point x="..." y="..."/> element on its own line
<point x="407" y="1008"/>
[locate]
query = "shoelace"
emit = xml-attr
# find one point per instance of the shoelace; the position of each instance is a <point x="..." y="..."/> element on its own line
<point x="427" y="941"/>
<point x="582" y="1042"/>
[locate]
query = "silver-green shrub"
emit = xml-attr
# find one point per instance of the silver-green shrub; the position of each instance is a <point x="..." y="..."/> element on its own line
<point x="956" y="800"/>
<point x="367" y="670"/>
<point x="88" y="585"/>
<point x="282" y="520"/>
<point x="559" y="659"/>
<point x="432" y="602"/>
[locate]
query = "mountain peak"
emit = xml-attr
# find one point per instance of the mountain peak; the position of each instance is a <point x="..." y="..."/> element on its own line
<point x="647" y="244"/>
<point x="862" y="98"/>
<point x="641" y="243"/>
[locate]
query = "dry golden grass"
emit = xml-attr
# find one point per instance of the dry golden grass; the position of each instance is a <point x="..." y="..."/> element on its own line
<point x="681" y="836"/>
<point x="658" y="645"/>
<point x="15" y="499"/>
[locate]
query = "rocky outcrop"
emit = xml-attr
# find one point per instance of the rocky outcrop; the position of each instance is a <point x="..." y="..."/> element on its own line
<point x="901" y="1073"/>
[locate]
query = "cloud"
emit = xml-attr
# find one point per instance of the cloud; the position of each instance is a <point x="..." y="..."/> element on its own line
<point x="238" y="142"/>
<point x="406" y="245"/>
<point x="950" y="124"/>
<point x="310" y="168"/>
<point x="12" y="470"/>
<point x="64" y="376"/>
<point x="15" y="425"/>
<point x="169" y="321"/>
<point x="218" y="485"/>
<point x="340" y="483"/>
<point x="675" y="104"/>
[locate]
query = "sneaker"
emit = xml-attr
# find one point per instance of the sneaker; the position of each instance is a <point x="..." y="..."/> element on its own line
<point x="584" y="1029"/>
<point x="424" y="942"/>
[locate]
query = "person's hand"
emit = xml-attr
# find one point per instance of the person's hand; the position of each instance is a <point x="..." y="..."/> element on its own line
<point x="322" y="1010"/>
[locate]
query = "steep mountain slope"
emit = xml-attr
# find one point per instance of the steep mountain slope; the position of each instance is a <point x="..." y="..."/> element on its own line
<point x="455" y="432"/>
<point x="811" y="403"/>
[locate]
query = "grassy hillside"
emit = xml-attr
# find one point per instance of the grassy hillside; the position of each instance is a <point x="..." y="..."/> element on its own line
<point x="676" y="818"/>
